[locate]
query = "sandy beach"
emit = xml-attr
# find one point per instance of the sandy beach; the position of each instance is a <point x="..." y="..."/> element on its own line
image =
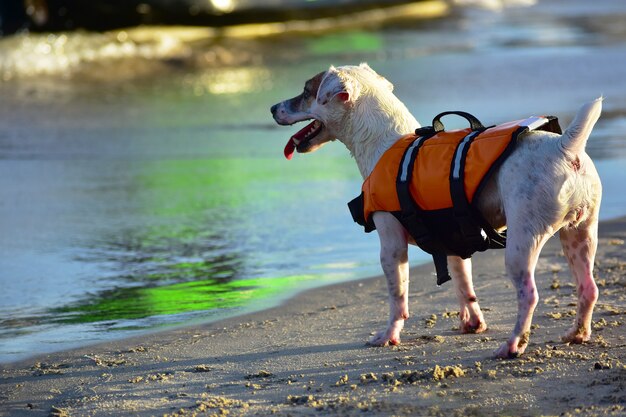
<point x="308" y="357"/>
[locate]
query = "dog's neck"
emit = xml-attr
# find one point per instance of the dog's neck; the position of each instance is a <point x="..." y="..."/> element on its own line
<point x="370" y="129"/>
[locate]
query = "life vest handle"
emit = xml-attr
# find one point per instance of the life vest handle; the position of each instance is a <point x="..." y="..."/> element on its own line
<point x="475" y="124"/>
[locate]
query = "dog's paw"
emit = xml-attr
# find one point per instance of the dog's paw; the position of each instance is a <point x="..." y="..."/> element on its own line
<point x="385" y="338"/>
<point x="473" y="327"/>
<point x="506" y="351"/>
<point x="513" y="348"/>
<point x="471" y="319"/>
<point x="577" y="335"/>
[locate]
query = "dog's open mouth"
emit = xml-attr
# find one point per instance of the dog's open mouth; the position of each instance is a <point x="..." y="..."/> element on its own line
<point x="301" y="139"/>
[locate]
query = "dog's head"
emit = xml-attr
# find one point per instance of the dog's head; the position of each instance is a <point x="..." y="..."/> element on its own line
<point x="327" y="98"/>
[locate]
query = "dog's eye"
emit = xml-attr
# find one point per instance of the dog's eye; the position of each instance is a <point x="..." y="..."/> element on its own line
<point x="306" y="94"/>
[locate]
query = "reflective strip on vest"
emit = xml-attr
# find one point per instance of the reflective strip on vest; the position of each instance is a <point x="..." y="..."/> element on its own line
<point x="533" y="123"/>
<point x="459" y="153"/>
<point x="408" y="157"/>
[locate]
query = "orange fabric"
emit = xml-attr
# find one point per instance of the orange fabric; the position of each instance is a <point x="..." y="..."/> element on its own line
<point x="485" y="149"/>
<point x="379" y="188"/>
<point x="432" y="191"/>
<point x="430" y="185"/>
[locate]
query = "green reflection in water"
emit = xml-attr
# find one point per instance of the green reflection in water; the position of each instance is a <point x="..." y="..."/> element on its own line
<point x="193" y="209"/>
<point x="348" y="42"/>
<point x="182" y="187"/>
<point x="183" y="297"/>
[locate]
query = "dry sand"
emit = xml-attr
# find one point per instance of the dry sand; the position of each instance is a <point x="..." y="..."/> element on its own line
<point x="308" y="357"/>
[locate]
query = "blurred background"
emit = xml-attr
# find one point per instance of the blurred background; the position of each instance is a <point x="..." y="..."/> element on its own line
<point x="142" y="181"/>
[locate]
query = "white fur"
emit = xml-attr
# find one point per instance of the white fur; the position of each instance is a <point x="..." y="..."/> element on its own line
<point x="372" y="119"/>
<point x="546" y="185"/>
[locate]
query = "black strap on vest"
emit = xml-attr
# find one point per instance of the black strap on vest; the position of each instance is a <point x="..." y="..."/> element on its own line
<point x="411" y="215"/>
<point x="475" y="237"/>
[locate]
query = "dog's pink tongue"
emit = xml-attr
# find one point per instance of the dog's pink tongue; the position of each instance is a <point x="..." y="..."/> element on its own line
<point x="296" y="139"/>
<point x="290" y="148"/>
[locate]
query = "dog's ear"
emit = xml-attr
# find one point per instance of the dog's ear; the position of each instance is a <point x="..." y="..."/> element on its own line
<point x="334" y="85"/>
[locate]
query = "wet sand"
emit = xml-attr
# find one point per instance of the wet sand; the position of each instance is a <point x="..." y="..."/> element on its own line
<point x="308" y="357"/>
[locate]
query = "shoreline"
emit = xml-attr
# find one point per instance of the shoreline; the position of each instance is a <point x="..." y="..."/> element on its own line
<point x="308" y="356"/>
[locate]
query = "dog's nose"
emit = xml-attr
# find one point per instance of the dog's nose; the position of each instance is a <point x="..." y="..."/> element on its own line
<point x="273" y="109"/>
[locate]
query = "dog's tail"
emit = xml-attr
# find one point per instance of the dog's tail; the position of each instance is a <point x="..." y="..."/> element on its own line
<point x="575" y="137"/>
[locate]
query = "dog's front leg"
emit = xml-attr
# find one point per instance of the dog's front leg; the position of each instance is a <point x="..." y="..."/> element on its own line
<point x="395" y="264"/>
<point x="471" y="317"/>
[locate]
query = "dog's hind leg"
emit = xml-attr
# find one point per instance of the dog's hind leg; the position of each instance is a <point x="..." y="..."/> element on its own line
<point x="395" y="264"/>
<point x="471" y="317"/>
<point x="521" y="255"/>
<point x="579" y="246"/>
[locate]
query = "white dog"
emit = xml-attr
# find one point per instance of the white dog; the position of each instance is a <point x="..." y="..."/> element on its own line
<point x="547" y="184"/>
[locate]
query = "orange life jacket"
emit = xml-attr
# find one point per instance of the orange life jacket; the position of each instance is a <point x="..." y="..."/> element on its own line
<point x="429" y="181"/>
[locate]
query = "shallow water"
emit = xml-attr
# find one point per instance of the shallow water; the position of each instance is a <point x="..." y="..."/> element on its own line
<point x="147" y="188"/>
